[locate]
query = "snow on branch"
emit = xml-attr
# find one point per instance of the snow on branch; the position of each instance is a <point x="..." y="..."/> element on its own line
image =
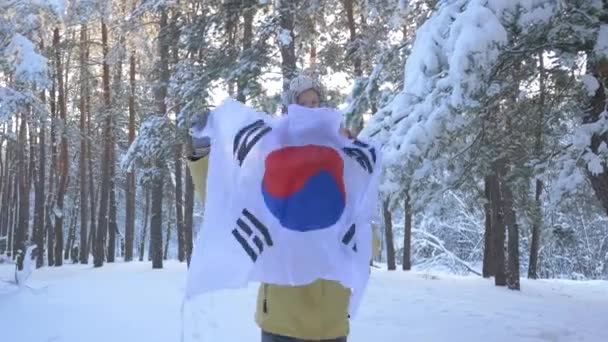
<point x="451" y="59"/>
<point x="152" y="145"/>
<point x="435" y="242"/>
<point x="29" y="66"/>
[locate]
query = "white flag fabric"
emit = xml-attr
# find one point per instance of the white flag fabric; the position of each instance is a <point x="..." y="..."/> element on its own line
<point x="289" y="201"/>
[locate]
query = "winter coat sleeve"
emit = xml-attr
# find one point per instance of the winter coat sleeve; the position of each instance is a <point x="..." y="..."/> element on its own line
<point x="198" y="170"/>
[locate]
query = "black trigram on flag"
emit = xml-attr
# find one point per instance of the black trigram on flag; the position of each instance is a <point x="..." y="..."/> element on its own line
<point x="247" y="137"/>
<point x="251" y="241"/>
<point x="348" y="237"/>
<point x="364" y="154"/>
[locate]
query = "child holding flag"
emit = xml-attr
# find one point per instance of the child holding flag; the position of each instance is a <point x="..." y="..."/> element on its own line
<point x="314" y="312"/>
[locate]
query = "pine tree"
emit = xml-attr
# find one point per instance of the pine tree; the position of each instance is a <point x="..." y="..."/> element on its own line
<point x="156" y="238"/>
<point x="84" y="190"/>
<point x="102" y="225"/>
<point x="130" y="191"/>
<point x="59" y="209"/>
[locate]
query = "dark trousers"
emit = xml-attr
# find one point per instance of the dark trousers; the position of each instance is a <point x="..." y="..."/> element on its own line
<point x="268" y="337"/>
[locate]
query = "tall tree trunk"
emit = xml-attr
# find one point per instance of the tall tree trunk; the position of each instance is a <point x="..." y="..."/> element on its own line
<point x="537" y="215"/>
<point x="33" y="137"/>
<point x="13" y="208"/>
<point x="93" y="235"/>
<point x="510" y="216"/>
<point x="142" y="243"/>
<point x="4" y="184"/>
<point x="6" y="191"/>
<point x="50" y="235"/>
<point x="166" y="250"/>
<point x="536" y="225"/>
<point x="39" y="190"/>
<point x="407" y="235"/>
<point x="231" y="8"/>
<point x="488" y="250"/>
<point x="179" y="205"/>
<point x="513" y="242"/>
<point x="498" y="225"/>
<point x="313" y="42"/>
<point x="117" y="89"/>
<point x="84" y="209"/>
<point x="22" y="226"/>
<point x="93" y="194"/>
<point x="189" y="213"/>
<point x="388" y="231"/>
<point x="179" y="195"/>
<point x="63" y="157"/>
<point x="49" y="218"/>
<point x="355" y="123"/>
<point x="102" y="222"/>
<point x="349" y="7"/>
<point x="156" y="237"/>
<point x="112" y="224"/>
<point x="67" y="253"/>
<point x="130" y="191"/>
<point x="287" y="11"/>
<point x="248" y="14"/>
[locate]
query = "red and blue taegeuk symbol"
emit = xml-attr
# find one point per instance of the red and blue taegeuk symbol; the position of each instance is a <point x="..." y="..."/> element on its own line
<point x="303" y="187"/>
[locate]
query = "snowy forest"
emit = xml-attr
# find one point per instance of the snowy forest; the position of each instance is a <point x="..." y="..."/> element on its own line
<point x="492" y="116"/>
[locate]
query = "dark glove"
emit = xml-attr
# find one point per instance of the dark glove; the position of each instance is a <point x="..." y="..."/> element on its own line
<point x="198" y="147"/>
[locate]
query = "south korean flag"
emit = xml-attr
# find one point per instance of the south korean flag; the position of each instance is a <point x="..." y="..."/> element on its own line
<point x="289" y="201"/>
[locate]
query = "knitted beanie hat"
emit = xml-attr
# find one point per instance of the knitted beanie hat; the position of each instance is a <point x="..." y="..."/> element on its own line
<point x="299" y="85"/>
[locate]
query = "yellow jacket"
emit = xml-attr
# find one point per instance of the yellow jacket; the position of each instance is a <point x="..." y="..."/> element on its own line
<point x="317" y="311"/>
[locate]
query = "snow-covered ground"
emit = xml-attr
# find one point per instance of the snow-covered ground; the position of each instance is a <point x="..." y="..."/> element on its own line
<point x="132" y="302"/>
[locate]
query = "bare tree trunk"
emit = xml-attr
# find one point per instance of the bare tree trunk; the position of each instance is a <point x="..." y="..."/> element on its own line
<point x="156" y="242"/>
<point x="488" y="256"/>
<point x="388" y="230"/>
<point x="130" y="193"/>
<point x="63" y="157"/>
<point x="288" y="53"/>
<point x="498" y="225"/>
<point x="102" y="222"/>
<point x="189" y="212"/>
<point x="407" y="235"/>
<point x="84" y="209"/>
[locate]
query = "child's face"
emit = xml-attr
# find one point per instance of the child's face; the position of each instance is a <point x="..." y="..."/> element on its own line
<point x="309" y="99"/>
